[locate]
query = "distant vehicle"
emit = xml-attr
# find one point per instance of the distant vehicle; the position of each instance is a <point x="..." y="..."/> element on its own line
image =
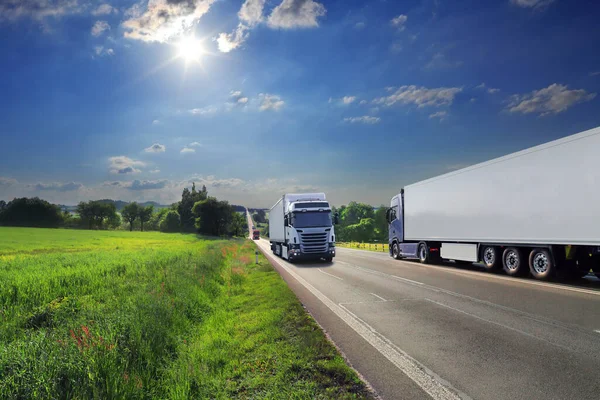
<point x="255" y="234"/>
<point x="253" y="227"/>
<point x="537" y="211"/>
<point x="301" y="227"/>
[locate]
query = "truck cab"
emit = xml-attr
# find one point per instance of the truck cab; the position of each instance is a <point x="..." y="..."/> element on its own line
<point x="255" y="234"/>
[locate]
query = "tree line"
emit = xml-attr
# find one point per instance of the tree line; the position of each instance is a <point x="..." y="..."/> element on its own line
<point x="360" y="222"/>
<point x="196" y="212"/>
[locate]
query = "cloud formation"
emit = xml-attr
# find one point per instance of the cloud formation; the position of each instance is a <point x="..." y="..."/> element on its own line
<point x="365" y="119"/>
<point x="420" y="96"/>
<point x="7" y="181"/>
<point x="99" y="28"/>
<point x="399" y="22"/>
<point x="554" y="99"/>
<point x="156" y="148"/>
<point x="59" y="187"/>
<point x="441" y="115"/>
<point x="164" y="19"/>
<point x="124" y="165"/>
<point x="531" y="3"/>
<point x="211" y="181"/>
<point x="296" y="14"/>
<point x="38" y="10"/>
<point x="187" y="150"/>
<point x="488" y="89"/>
<point x="348" y="99"/>
<point x="270" y="102"/>
<point x="100" y="51"/>
<point x="104" y="9"/>
<point x="203" y="110"/>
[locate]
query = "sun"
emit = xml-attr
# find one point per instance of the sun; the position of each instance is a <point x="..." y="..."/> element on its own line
<point x="190" y="49"/>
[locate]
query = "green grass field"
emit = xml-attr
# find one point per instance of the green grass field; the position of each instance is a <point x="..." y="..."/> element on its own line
<point x="113" y="314"/>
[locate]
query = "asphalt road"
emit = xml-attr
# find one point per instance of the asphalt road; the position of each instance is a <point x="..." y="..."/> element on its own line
<point x="417" y="331"/>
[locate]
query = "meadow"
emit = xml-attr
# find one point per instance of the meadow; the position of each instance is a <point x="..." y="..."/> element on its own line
<point x="113" y="314"/>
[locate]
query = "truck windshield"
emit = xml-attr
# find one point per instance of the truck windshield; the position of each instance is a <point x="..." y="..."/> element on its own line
<point x="312" y="219"/>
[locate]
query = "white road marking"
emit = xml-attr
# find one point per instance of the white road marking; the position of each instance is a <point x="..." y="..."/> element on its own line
<point x="431" y="383"/>
<point x="498" y="324"/>
<point x="379" y="297"/>
<point x="483" y="275"/>
<point x="327" y="273"/>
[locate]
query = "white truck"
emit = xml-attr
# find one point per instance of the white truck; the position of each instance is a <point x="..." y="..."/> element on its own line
<point x="535" y="211"/>
<point x="301" y="227"/>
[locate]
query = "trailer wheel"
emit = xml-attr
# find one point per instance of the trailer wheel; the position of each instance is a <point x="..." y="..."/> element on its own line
<point x="395" y="251"/>
<point x="423" y="253"/>
<point x="512" y="261"/>
<point x="541" y="264"/>
<point x="490" y="258"/>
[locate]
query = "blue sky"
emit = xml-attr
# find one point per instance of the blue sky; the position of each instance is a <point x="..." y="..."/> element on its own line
<point x="133" y="100"/>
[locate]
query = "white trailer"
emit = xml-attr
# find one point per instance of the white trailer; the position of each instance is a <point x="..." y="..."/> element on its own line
<point x="301" y="227"/>
<point x="539" y="206"/>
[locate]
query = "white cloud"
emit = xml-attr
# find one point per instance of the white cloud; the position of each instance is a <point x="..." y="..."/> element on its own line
<point x="363" y="102"/>
<point x="439" y="60"/>
<point x="99" y="28"/>
<point x="164" y="19"/>
<point x="211" y="181"/>
<point x="396" y="47"/>
<point x="420" y="96"/>
<point x="155" y="171"/>
<point x="195" y="144"/>
<point x="235" y="94"/>
<point x="59" y="187"/>
<point x="156" y="148"/>
<point x="101" y="51"/>
<point x="399" y="22"/>
<point x="270" y="102"/>
<point x="231" y="41"/>
<point x="296" y="14"/>
<point x="38" y="10"/>
<point x="7" y="181"/>
<point x="252" y="12"/>
<point x="147" y="185"/>
<point x="155" y="122"/>
<point x="104" y="9"/>
<point x="554" y="99"/>
<point x="531" y="3"/>
<point x="488" y="89"/>
<point x="348" y="99"/>
<point x="359" y="25"/>
<point x="594" y="73"/>
<point x="187" y="150"/>
<point x="203" y="111"/>
<point x="440" y="114"/>
<point x="124" y="165"/>
<point x="365" y="119"/>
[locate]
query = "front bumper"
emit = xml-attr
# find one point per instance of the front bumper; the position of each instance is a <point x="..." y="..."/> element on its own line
<point x="296" y="254"/>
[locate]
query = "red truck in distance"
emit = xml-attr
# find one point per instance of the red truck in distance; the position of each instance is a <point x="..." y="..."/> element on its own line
<point x="255" y="234"/>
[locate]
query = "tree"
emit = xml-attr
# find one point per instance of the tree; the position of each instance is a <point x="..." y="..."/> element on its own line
<point x="144" y="214"/>
<point x="259" y="216"/>
<point x="157" y="217"/>
<point x="33" y="212"/>
<point x="212" y="216"/>
<point x="381" y="225"/>
<point x="238" y="225"/>
<point x="170" y="222"/>
<point x="130" y="213"/>
<point x="95" y="213"/>
<point x="355" y="212"/>
<point x="184" y="208"/>
<point x="361" y="232"/>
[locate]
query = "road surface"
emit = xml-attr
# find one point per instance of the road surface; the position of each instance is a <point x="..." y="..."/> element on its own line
<point x="417" y="331"/>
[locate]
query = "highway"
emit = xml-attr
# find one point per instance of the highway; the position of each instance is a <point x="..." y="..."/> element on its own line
<point x="432" y="331"/>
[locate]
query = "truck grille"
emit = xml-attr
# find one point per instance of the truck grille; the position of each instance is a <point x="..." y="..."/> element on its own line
<point x="313" y="242"/>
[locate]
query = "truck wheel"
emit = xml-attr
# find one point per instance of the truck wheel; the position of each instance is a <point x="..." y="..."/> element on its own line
<point x="512" y="261"/>
<point x="423" y="253"/>
<point x="328" y="259"/>
<point x="395" y="251"/>
<point x="541" y="265"/>
<point x="490" y="258"/>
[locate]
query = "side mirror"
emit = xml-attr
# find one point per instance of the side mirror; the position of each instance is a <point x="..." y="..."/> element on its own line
<point x="388" y="214"/>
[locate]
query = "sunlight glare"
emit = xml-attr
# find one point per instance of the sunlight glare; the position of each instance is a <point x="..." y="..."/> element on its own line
<point x="190" y="49"/>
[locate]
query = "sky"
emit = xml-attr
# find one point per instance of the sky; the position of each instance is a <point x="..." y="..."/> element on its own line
<point x="134" y="100"/>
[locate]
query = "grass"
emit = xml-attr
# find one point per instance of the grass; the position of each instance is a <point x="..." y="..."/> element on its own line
<point x="379" y="247"/>
<point x="101" y="314"/>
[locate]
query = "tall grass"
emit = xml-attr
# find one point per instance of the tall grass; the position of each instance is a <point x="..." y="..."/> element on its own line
<point x="151" y="315"/>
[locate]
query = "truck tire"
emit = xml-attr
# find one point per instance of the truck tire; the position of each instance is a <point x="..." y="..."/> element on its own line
<point x="395" y="251"/>
<point x="328" y="259"/>
<point x="423" y="253"/>
<point x="512" y="261"/>
<point x="541" y="264"/>
<point x="490" y="257"/>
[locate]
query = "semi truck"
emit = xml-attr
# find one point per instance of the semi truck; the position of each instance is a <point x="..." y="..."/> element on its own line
<point x="255" y="234"/>
<point x="536" y="211"/>
<point x="301" y="227"/>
